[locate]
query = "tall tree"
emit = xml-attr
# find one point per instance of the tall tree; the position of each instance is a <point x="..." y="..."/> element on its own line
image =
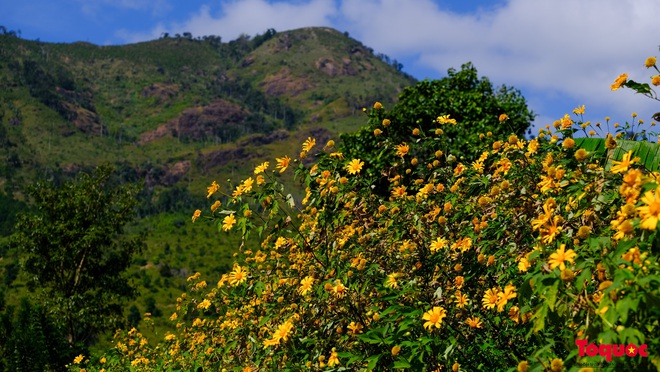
<point x="75" y="252"/>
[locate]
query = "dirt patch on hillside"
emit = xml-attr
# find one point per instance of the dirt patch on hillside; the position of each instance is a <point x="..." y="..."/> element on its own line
<point x="285" y="83"/>
<point x="328" y="65"/>
<point x="220" y="119"/>
<point x="162" y="92"/>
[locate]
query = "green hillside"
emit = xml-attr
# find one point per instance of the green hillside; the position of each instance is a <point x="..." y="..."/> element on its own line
<point x="174" y="113"/>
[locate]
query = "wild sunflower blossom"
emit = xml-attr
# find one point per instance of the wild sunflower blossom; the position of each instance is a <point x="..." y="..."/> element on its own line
<point x="650" y="62"/>
<point x="238" y="275"/>
<point x="282" y="333"/>
<point x="391" y="281"/>
<point x="354" y="167"/>
<point x="622" y="166"/>
<point x="619" y="82"/>
<point x="490" y="298"/>
<point x="308" y="144"/>
<point x="558" y="258"/>
<point x="650" y="212"/>
<point x="434" y="317"/>
<point x="261" y="168"/>
<point x="228" y="222"/>
<point x="550" y="230"/>
<point x="212" y="189"/>
<point x="503" y="297"/>
<point x="444" y="119"/>
<point x="283" y="163"/>
<point x="461" y="299"/>
<point x="402" y="149"/>
<point x="473" y="322"/>
<point x="306" y="285"/>
<point x="196" y="215"/>
<point x="438" y="244"/>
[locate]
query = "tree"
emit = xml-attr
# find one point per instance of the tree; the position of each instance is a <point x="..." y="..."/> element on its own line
<point x="30" y="340"/>
<point x="471" y="101"/>
<point x="75" y="253"/>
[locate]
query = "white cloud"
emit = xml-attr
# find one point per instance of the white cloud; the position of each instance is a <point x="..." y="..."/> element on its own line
<point x="94" y="7"/>
<point x="554" y="51"/>
<point x="252" y="17"/>
<point x="566" y="47"/>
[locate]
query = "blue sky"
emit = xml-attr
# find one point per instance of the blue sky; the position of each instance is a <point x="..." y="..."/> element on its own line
<point x="559" y="53"/>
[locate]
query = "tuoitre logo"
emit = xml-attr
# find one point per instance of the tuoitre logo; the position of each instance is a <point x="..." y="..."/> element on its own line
<point x="608" y="350"/>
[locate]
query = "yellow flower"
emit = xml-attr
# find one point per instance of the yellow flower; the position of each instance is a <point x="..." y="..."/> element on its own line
<point x="395" y="350"/>
<point x="246" y="186"/>
<point x="550" y="230"/>
<point x="655" y="80"/>
<point x="283" y="163"/>
<point x="622" y="166"/>
<point x="238" y="275"/>
<point x="402" y="149"/>
<point x="261" y="167"/>
<point x="378" y="105"/>
<point x="334" y="358"/>
<point x="308" y="144"/>
<point x="196" y="215"/>
<point x="523" y="366"/>
<point x="557" y="259"/>
<point x="282" y="333"/>
<point x="438" y="244"/>
<point x="619" y="81"/>
<point x="473" y="322"/>
<point x="204" y="304"/>
<point x="444" y="119"/>
<point x="306" y="285"/>
<point x="391" y="281"/>
<point x="650" y="62"/>
<point x="581" y="154"/>
<point x="503" y="117"/>
<point x="228" y="222"/>
<point x="338" y="289"/>
<point x="355" y="166"/>
<point x="78" y="359"/>
<point x="503" y="297"/>
<point x="490" y="298"/>
<point x="650" y="212"/>
<point x="215" y="206"/>
<point x="568" y="143"/>
<point x="354" y="328"/>
<point x="461" y="300"/>
<point x="399" y="192"/>
<point x="579" y="110"/>
<point x="386" y="122"/>
<point x="556" y="365"/>
<point x="434" y="317"/>
<point x="212" y="189"/>
<point x="377" y="132"/>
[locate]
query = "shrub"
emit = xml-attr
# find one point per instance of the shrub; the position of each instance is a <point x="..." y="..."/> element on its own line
<point x="529" y="257"/>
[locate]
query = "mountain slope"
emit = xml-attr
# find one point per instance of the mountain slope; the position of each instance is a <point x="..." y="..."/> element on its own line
<point x="175" y="113"/>
<point x="71" y="105"/>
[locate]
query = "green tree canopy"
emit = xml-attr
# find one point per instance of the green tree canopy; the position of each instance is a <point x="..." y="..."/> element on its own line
<point x="472" y="101"/>
<point x="75" y="253"/>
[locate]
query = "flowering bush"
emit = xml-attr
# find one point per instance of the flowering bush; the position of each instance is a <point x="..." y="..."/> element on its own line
<point x="537" y="255"/>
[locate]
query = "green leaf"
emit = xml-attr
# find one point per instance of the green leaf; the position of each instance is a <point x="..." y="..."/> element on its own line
<point x="550" y="295"/>
<point x="373" y="361"/>
<point x="582" y="279"/>
<point x="401" y="363"/>
<point x="540" y="315"/>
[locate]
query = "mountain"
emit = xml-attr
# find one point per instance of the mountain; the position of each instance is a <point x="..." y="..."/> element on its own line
<point x="176" y="113"/>
<point x="180" y="109"/>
